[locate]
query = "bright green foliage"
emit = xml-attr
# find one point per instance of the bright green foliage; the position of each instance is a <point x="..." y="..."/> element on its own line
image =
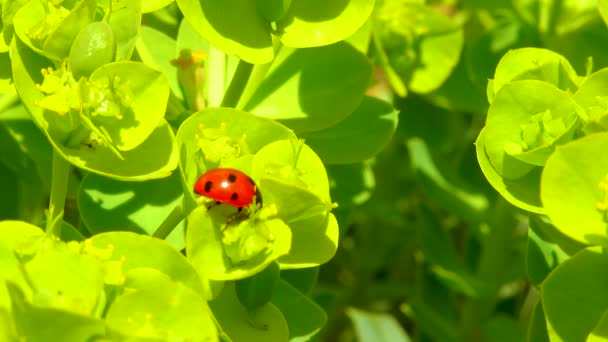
<point x="422" y="46"/>
<point x="247" y="29"/>
<point x="88" y="287"/>
<point x="426" y="170"/>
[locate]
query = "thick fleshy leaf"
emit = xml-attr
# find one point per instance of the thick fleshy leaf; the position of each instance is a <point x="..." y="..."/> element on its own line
<point x="125" y="23"/>
<point x="110" y="205"/>
<point x="147" y="91"/>
<point x="574" y="189"/>
<point x="156" y="157"/>
<point x="255" y="291"/>
<point x="535" y="64"/>
<point x="575" y="289"/>
<point x="523" y="193"/>
<point x="166" y="310"/>
<point x="374" y="119"/>
<point x="57" y="45"/>
<point x="266" y="324"/>
<point x="525" y="122"/>
<point x="422" y="45"/>
<point x="127" y="249"/>
<point x="310" y="23"/>
<point x="221" y="252"/>
<point x="32" y="322"/>
<point x="304" y="317"/>
<point x="376" y="327"/>
<point x="542" y="257"/>
<point x="240" y="31"/>
<point x="217" y="135"/>
<point x="592" y="97"/>
<point x="154" y="5"/>
<point x="65" y="279"/>
<point x="13" y="236"/>
<point x="311" y="89"/>
<point x="156" y="49"/>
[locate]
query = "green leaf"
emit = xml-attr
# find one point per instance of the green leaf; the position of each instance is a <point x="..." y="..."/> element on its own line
<point x="422" y="45"/>
<point x="24" y="149"/>
<point x="14" y="235"/>
<point x="65" y="279"/>
<point x="304" y="317"/>
<point x="156" y="49"/>
<point x="221" y="252"/>
<point x="312" y="89"/>
<point x="525" y="122"/>
<point x="58" y="43"/>
<point x="343" y="143"/>
<point x="125" y="23"/>
<point x="542" y="256"/>
<point x="523" y="193"/>
<point x="266" y="324"/>
<point x="142" y="94"/>
<point x="93" y="47"/>
<point x="32" y="322"/>
<point x="240" y="31"/>
<point x="600" y="332"/>
<point x="602" y="6"/>
<point x="302" y="279"/>
<point x="574" y="190"/>
<point x="376" y="327"/>
<point x="156" y="157"/>
<point x="154" y="5"/>
<point x="575" y="289"/>
<point x="592" y="97"/>
<point x="453" y="192"/>
<point x="537" y="330"/>
<point x="502" y="328"/>
<point x="535" y="64"/>
<point x="130" y="251"/>
<point x="110" y="205"/>
<point x="255" y="291"/>
<point x="159" y="308"/>
<point x="215" y="136"/>
<point x="310" y="23"/>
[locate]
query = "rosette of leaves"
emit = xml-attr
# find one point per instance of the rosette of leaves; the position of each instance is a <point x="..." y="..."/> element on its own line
<point x="293" y="184"/>
<point x="100" y="112"/>
<point x="114" y="285"/>
<point x="418" y="47"/>
<point x="531" y="112"/>
<point x="246" y="28"/>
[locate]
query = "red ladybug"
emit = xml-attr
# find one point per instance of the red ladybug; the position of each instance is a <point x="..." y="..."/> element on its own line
<point x="228" y="186"/>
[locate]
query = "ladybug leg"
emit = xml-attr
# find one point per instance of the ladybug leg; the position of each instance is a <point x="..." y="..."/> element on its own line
<point x="238" y="215"/>
<point x="212" y="204"/>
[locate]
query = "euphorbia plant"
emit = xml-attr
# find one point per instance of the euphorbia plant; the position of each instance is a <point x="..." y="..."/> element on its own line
<point x="132" y="124"/>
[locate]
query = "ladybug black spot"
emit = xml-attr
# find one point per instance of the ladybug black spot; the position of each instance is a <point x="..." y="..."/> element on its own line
<point x="208" y="186"/>
<point x="234" y="196"/>
<point x="232" y="178"/>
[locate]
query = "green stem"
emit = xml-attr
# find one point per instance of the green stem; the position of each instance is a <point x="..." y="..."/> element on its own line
<point x="59" y="189"/>
<point x="237" y="85"/>
<point x="175" y="217"/>
<point x="391" y="75"/>
<point x="492" y="264"/>
<point x="215" y="68"/>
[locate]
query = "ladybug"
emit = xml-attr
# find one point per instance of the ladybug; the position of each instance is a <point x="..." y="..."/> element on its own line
<point x="228" y="186"/>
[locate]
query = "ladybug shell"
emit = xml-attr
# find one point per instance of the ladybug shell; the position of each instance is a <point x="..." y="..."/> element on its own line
<point x="227" y="186"/>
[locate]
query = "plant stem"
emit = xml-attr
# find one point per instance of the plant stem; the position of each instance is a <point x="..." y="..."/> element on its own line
<point x="215" y="68"/>
<point x="175" y="217"/>
<point x="237" y="85"/>
<point x="59" y="189"/>
<point x="391" y="75"/>
<point x="492" y="264"/>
